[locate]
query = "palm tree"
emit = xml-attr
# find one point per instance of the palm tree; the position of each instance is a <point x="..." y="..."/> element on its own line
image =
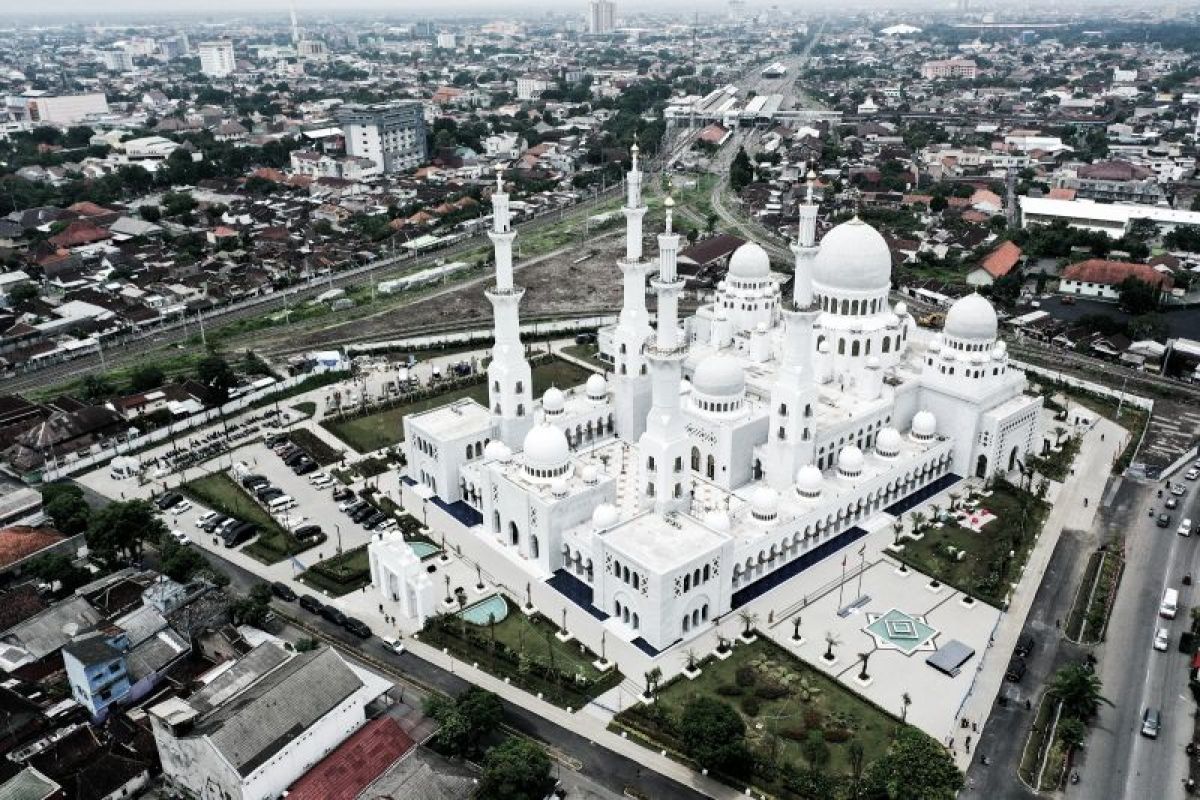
<point x="652" y="679"/>
<point x="831" y="639"/>
<point x="954" y="497"/>
<point x="906" y="700"/>
<point x="864" y="657"/>
<point x="690" y="659"/>
<point x="796" y="628"/>
<point x="1078" y="689"/>
<point x="898" y="528"/>
<point x="918" y="521"/>
<point x="749" y="619"/>
<point x="1059" y="432"/>
<point x="935" y="512"/>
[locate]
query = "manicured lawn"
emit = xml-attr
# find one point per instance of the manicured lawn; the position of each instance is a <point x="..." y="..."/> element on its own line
<point x="219" y="492"/>
<point x="587" y="352"/>
<point x="985" y="571"/>
<point x="526" y="652"/>
<point x="341" y="574"/>
<point x="385" y="428"/>
<point x="810" y="701"/>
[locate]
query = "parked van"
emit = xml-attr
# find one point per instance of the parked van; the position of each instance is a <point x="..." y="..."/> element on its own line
<point x="1170" y="604"/>
<point x="281" y="503"/>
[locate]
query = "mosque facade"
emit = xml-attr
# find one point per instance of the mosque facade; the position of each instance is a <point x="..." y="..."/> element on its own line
<point x="726" y="451"/>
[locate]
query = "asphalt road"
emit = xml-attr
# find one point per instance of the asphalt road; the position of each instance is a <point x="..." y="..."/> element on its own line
<point x="1117" y="761"/>
<point x="603" y="767"/>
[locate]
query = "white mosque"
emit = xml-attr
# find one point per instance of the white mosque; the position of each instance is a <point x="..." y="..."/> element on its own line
<point x="728" y="451"/>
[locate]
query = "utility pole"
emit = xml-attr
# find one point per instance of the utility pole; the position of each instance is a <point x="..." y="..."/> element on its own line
<point x="203" y="338"/>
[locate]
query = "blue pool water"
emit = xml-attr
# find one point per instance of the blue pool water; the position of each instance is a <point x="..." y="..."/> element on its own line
<point x="424" y="549"/>
<point x="478" y="614"/>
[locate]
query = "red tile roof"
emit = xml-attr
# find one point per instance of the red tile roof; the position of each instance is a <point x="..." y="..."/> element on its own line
<point x="1098" y="270"/>
<point x="1062" y="193"/>
<point x="21" y="541"/>
<point x="1000" y="261"/>
<point x="79" y="233"/>
<point x="352" y="767"/>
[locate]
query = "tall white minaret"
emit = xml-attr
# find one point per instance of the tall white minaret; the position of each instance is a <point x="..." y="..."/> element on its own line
<point x="295" y="25"/>
<point x="664" y="445"/>
<point x="790" y="439"/>
<point x="631" y="379"/>
<point x="509" y="380"/>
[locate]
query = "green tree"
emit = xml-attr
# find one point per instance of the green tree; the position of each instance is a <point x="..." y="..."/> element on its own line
<point x="465" y="720"/>
<point x="1072" y="732"/>
<point x="714" y="735"/>
<point x="816" y="751"/>
<point x="175" y="203"/>
<point x="1079" y="690"/>
<point x="146" y="377"/>
<point x="914" y="766"/>
<point x="306" y="644"/>
<point x="97" y="387"/>
<point x="1137" y="296"/>
<point x="180" y="562"/>
<point x="741" y="171"/>
<point x="58" y="568"/>
<point x="517" y="769"/>
<point x="213" y="370"/>
<point x="22" y="292"/>
<point x="120" y="529"/>
<point x="63" y="503"/>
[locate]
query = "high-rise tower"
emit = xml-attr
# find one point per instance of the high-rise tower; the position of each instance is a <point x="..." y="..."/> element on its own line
<point x="631" y="376"/>
<point x="509" y="379"/>
<point x="664" y="445"/>
<point x="793" y="396"/>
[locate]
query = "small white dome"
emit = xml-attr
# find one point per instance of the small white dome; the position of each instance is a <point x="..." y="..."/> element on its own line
<point x="853" y="256"/>
<point x="750" y="261"/>
<point x="850" y="460"/>
<point x="808" y="480"/>
<point x="605" y="516"/>
<point x="497" y="450"/>
<point x="901" y="309"/>
<point x="924" y="425"/>
<point x="553" y="400"/>
<point x="559" y="488"/>
<point x="823" y="347"/>
<point x="887" y="443"/>
<point x="591" y="474"/>
<point x="597" y="387"/>
<point x="719" y="376"/>
<point x="872" y="362"/>
<point x="546" y="447"/>
<point x="1000" y="348"/>
<point x="718" y="520"/>
<point x="764" y="503"/>
<point x="972" y="317"/>
<point x="761" y="327"/>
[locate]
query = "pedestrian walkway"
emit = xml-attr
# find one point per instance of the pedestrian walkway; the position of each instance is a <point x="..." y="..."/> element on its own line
<point x="1075" y="504"/>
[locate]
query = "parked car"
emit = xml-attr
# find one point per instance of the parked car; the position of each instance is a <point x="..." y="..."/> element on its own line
<point x="283" y="591"/>
<point x="180" y="537"/>
<point x="1162" y="640"/>
<point x="252" y="482"/>
<point x="386" y="525"/>
<point x="1185" y="527"/>
<point x="307" y="532"/>
<point x="395" y="645"/>
<point x="375" y="520"/>
<point x="1016" y="670"/>
<point x="357" y="627"/>
<point x="214" y="523"/>
<point x="207" y="517"/>
<point x="305" y="468"/>
<point x="1178" y="489"/>
<point x="1192" y="474"/>
<point x="269" y="493"/>
<point x="1151" y="721"/>
<point x="1172" y="502"/>
<point x="182" y="507"/>
<point x="239" y="534"/>
<point x="1163" y="521"/>
<point x="333" y="615"/>
<point x="311" y="604"/>
<point x="342" y="493"/>
<point x="168" y="500"/>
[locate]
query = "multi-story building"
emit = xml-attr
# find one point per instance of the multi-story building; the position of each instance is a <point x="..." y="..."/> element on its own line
<point x="948" y="68"/>
<point x="117" y="59"/>
<point x="600" y="16"/>
<point x="392" y="135"/>
<point x="530" y="87"/>
<point x="216" y="58"/>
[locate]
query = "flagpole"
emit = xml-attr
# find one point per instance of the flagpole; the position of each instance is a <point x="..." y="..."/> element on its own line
<point x="842" y="583"/>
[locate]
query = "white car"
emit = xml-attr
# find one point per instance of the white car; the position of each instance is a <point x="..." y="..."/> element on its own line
<point x="1178" y="489"/>
<point x="1185" y="528"/>
<point x="1161" y="640"/>
<point x="182" y="507"/>
<point x="180" y="537"/>
<point x="395" y="645"/>
<point x="1192" y="474"/>
<point x="321" y="480"/>
<point x="206" y="518"/>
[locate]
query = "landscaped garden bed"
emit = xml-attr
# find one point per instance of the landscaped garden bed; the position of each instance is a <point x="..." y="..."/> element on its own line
<point x="523" y="649"/>
<point x="984" y="563"/>
<point x="221" y="493"/>
<point x="341" y="574"/>
<point x="317" y="448"/>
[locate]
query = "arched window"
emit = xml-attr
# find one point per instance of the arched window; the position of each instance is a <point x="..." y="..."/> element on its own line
<point x="520" y="387"/>
<point x="687" y="583"/>
<point x="625" y="574"/>
<point x="514" y="535"/>
<point x="636" y="580"/>
<point x="495" y="522"/>
<point x="887" y="344"/>
<point x="706" y="573"/>
<point x="841" y="347"/>
<point x="783" y="409"/>
<point x="470" y="451"/>
<point x="854" y="348"/>
<point x="533" y="546"/>
<point x="711" y="467"/>
<point x="695" y="459"/>
<point x="520" y="409"/>
<point x="637" y="623"/>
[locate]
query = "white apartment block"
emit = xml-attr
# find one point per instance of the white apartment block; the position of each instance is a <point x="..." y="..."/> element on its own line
<point x="216" y="59"/>
<point x="948" y="68"/>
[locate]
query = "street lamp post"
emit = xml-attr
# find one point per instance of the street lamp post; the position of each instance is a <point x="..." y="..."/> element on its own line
<point x="338" y="528"/>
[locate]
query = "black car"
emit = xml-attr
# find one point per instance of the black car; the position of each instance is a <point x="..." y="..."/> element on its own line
<point x="212" y="524"/>
<point x="311" y="604"/>
<point x="333" y="615"/>
<point x="1163" y="521"/>
<point x="283" y="591"/>
<point x="363" y="514"/>
<point x="1024" y="646"/>
<point x="168" y="500"/>
<point x="268" y="493"/>
<point x="342" y="493"/>
<point x="295" y="458"/>
<point x="307" y="532"/>
<point x="1016" y="670"/>
<point x="239" y="534"/>
<point x="357" y="627"/>
<point x="305" y="468"/>
<point x="374" y="520"/>
<point x="253" y="482"/>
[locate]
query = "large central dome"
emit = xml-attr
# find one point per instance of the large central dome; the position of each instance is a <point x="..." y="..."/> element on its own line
<point x="854" y="257"/>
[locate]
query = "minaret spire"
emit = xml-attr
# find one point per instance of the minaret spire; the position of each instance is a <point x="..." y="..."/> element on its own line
<point x="631" y="379"/>
<point x="509" y="376"/>
<point x="664" y="445"/>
